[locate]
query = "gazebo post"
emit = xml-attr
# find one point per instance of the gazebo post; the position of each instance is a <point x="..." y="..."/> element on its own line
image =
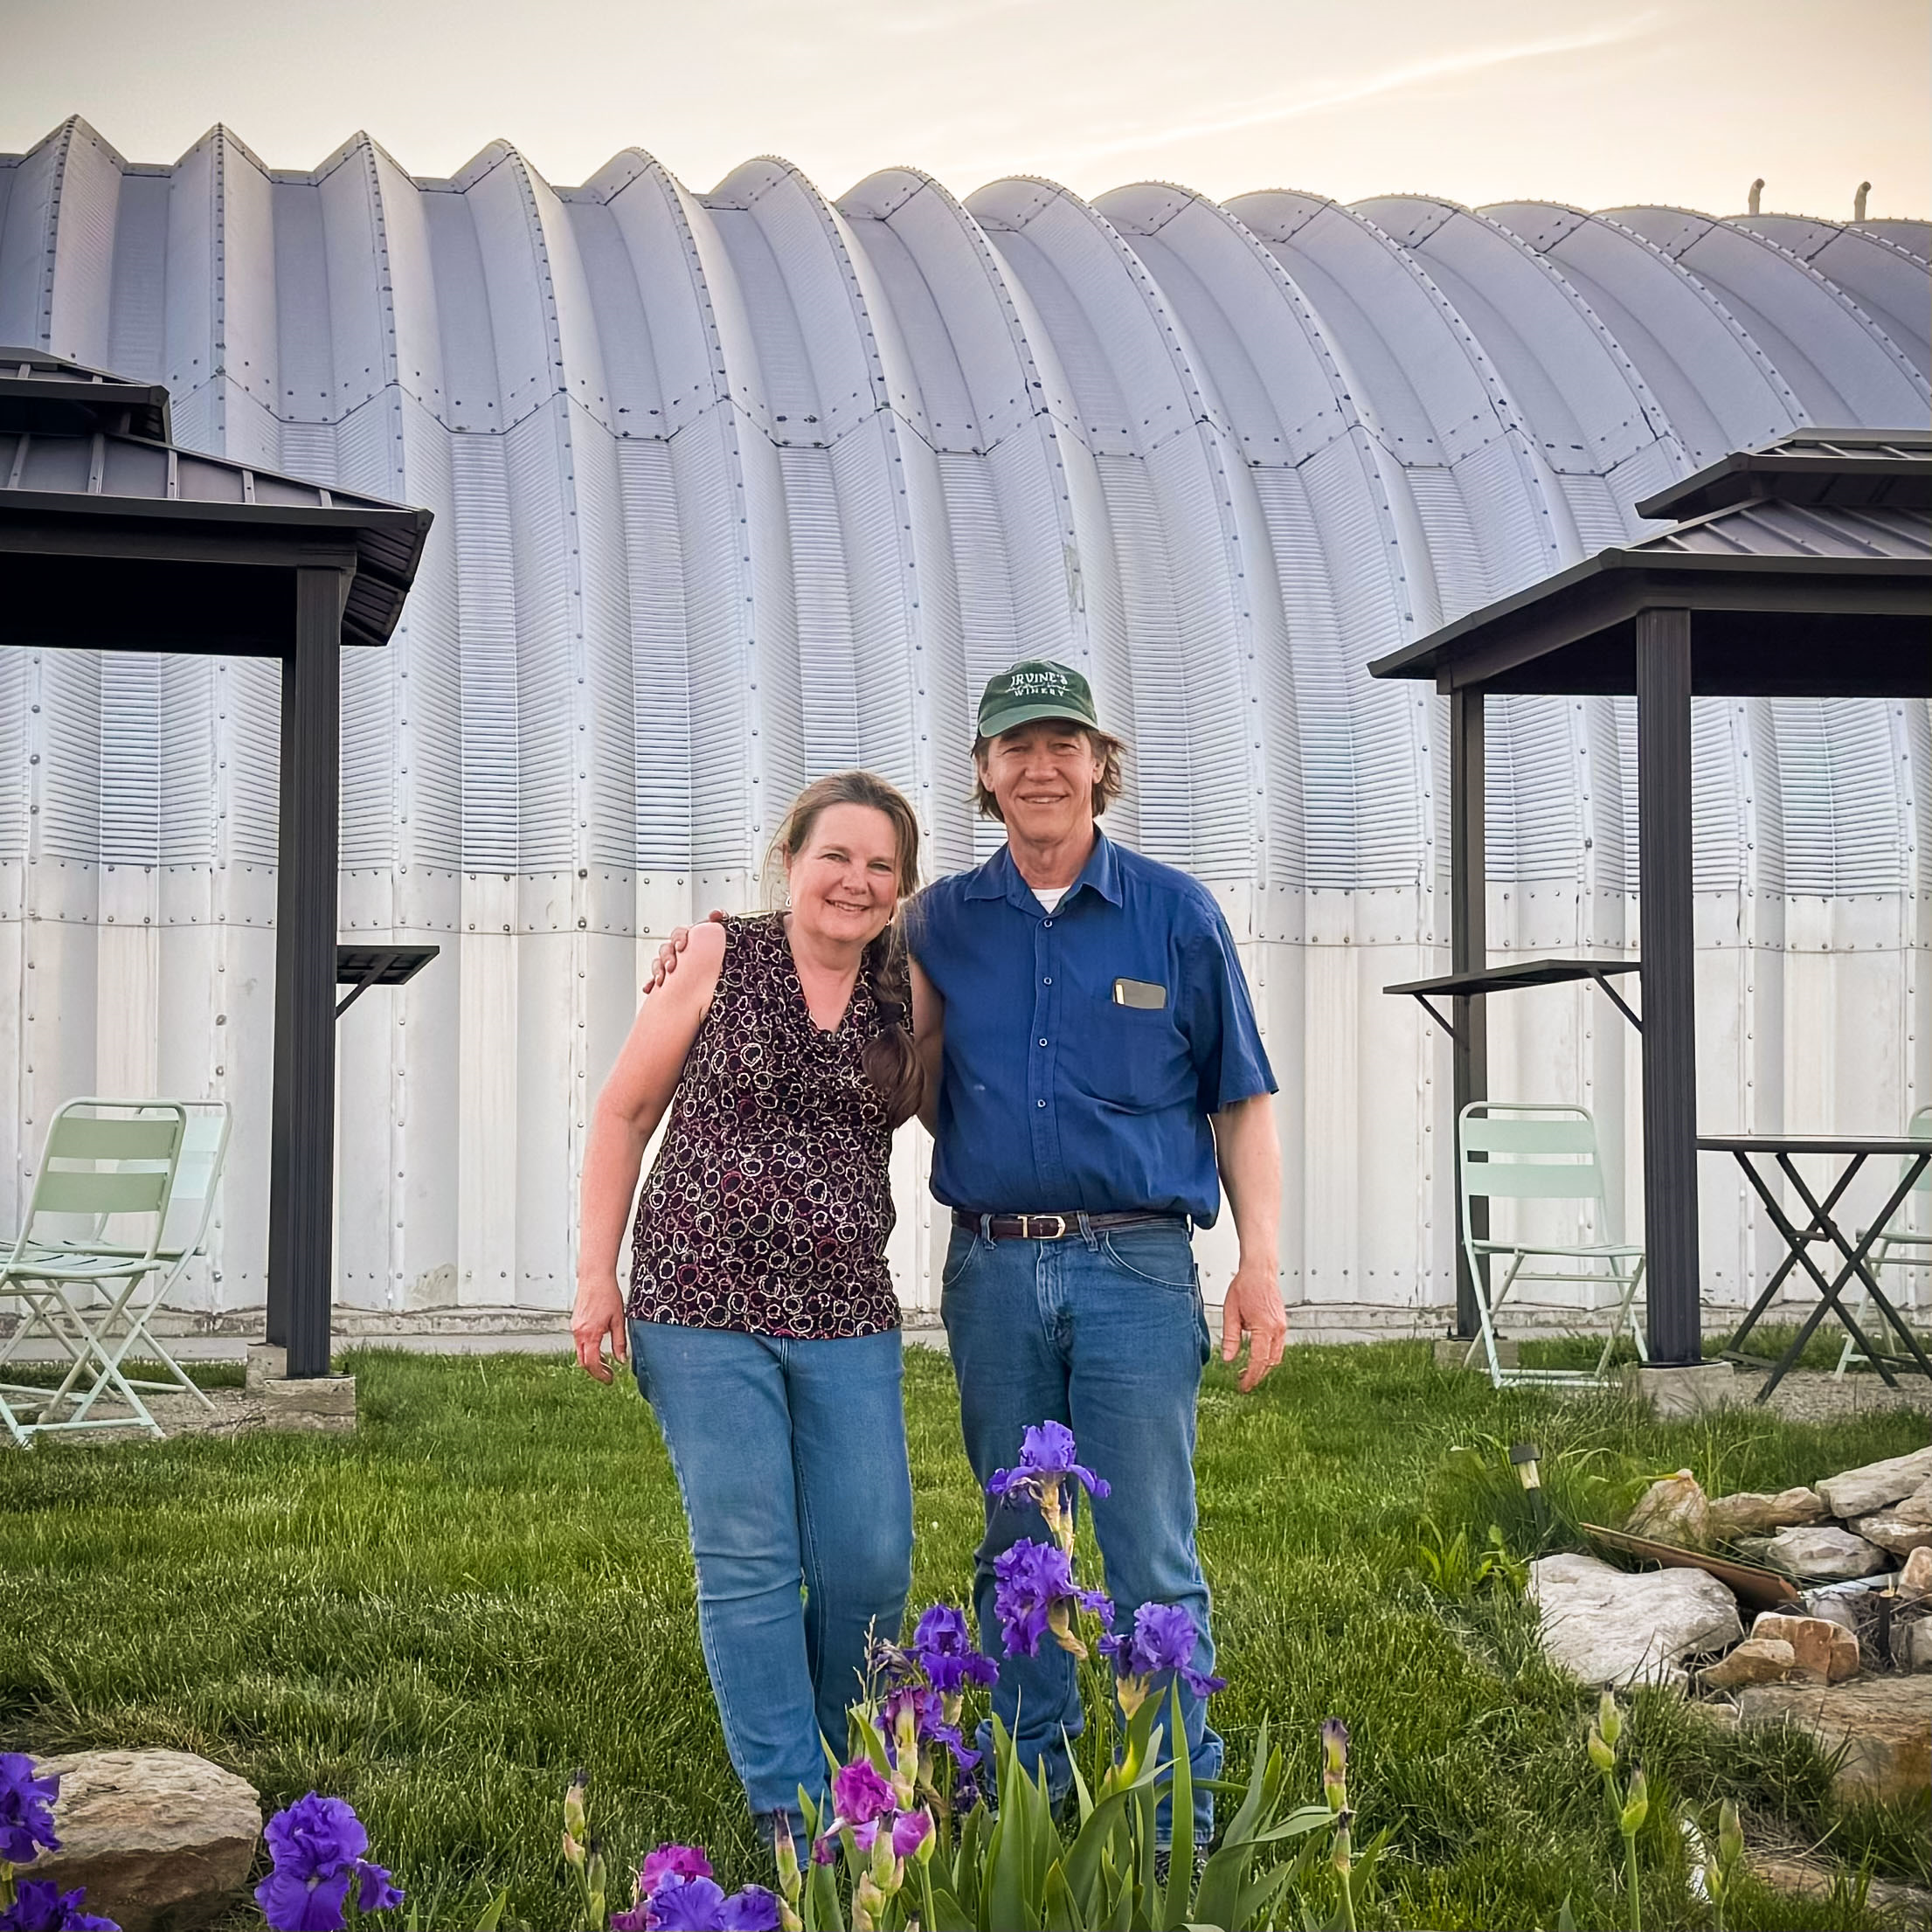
<point x="1667" y="948"/>
<point x="302" y="1203"/>
<point x="276" y="1328"/>
<point x="1468" y="953"/>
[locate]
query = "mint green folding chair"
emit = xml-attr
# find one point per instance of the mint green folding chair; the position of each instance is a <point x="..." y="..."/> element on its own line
<point x="1523" y="1151"/>
<point x="93" y="1232"/>
<point x="1896" y="1246"/>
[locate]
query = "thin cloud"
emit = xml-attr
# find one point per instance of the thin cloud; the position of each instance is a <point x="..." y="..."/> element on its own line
<point x="1276" y="108"/>
<point x="945" y="19"/>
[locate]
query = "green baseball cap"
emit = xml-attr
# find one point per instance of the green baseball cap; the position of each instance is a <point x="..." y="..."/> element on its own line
<point x="1036" y="688"/>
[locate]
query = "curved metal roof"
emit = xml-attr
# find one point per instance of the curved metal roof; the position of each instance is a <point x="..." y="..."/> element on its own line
<point x="733" y="487"/>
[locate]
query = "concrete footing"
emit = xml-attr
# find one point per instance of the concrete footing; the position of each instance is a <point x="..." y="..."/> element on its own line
<point x="324" y="1403"/>
<point x="1450" y="1353"/>
<point x="267" y="1363"/>
<point x="1691" y="1388"/>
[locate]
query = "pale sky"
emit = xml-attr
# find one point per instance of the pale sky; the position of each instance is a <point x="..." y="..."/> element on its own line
<point x="1477" y="100"/>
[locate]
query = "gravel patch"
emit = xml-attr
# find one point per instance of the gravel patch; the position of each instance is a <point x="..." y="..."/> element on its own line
<point x="1814" y="1396"/>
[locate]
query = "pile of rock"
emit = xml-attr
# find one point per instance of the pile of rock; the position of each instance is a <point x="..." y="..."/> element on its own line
<point x="1849" y="1659"/>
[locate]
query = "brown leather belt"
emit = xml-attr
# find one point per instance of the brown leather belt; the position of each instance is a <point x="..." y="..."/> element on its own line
<point x="1057" y="1226"/>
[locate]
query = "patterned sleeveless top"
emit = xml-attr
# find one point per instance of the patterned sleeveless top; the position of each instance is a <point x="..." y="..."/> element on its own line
<point x="768" y="1207"/>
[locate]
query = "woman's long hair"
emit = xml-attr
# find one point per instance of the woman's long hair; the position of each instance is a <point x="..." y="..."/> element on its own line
<point x="891" y="1061"/>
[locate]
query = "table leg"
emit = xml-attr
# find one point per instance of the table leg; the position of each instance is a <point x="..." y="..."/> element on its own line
<point x="1855" y="1263"/>
<point x="1794" y="1242"/>
<point x="1828" y="1291"/>
<point x="1821" y="1220"/>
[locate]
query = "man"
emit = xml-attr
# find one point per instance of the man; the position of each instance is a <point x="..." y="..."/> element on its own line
<point x="1092" y="1060"/>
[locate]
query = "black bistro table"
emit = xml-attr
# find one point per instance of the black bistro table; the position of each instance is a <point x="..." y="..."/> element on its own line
<point x="1854" y="1150"/>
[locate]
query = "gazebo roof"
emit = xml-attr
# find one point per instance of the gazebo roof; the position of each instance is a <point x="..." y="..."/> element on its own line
<point x="1806" y="566"/>
<point x="77" y="463"/>
<point x="48" y="392"/>
<point x="1809" y="466"/>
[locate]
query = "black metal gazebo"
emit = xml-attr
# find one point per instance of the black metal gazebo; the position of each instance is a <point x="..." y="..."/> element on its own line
<point x="1802" y="569"/>
<point x="112" y="538"/>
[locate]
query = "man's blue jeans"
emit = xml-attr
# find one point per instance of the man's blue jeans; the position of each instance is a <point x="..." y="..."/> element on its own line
<point x="790" y="1458"/>
<point x="1104" y="1332"/>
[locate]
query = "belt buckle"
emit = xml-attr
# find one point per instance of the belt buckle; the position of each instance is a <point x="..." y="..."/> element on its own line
<point x="1026" y="1226"/>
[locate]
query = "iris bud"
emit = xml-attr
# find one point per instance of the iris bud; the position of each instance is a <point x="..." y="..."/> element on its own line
<point x="1730" y="1835"/>
<point x="787" y="1854"/>
<point x="1600" y="1752"/>
<point x="1637" y="1805"/>
<point x="1340" y="1851"/>
<point x="1610" y="1720"/>
<point x="1334" y="1766"/>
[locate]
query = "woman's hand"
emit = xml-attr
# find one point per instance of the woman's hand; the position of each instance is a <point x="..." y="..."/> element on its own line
<point x="598" y="1311"/>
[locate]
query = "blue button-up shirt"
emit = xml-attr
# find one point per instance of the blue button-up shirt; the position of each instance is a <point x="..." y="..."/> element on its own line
<point x="1066" y="1087"/>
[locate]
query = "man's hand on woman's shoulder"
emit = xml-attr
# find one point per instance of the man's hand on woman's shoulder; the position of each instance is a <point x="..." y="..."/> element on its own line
<point x="666" y="963"/>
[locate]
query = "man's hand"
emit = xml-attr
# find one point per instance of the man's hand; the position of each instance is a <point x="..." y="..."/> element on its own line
<point x="666" y="963"/>
<point x="598" y="1311"/>
<point x="1254" y="1309"/>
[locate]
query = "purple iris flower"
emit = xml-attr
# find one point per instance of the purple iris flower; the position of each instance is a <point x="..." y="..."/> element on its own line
<point x="964" y="1756"/>
<point x="375" y="1890"/>
<point x="692" y="1902"/>
<point x="688" y="1861"/>
<point x="754" y="1909"/>
<point x="860" y="1794"/>
<point x="317" y="1846"/>
<point x="910" y="1830"/>
<point x="292" y="1904"/>
<point x="681" y="1904"/>
<point x="1163" y="1638"/>
<point x="1047" y="1454"/>
<point x="928" y="1709"/>
<point x="945" y="1649"/>
<point x="26" y="1810"/>
<point x="315" y="1837"/>
<point x="40" y="1906"/>
<point x="1032" y="1581"/>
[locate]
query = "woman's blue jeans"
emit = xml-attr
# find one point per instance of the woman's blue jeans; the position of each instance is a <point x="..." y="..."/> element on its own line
<point x="1102" y="1331"/>
<point x="791" y="1459"/>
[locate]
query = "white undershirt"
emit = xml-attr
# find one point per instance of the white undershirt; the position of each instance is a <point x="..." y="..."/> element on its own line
<point x="1051" y="896"/>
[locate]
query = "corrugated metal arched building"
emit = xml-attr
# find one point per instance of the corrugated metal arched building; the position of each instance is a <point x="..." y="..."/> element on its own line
<point x="735" y="487"/>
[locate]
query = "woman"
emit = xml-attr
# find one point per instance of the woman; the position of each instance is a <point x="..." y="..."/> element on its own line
<point x="761" y="1322"/>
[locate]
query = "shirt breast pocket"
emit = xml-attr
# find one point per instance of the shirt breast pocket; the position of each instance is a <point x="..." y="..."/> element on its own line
<point x="1138" y="1058"/>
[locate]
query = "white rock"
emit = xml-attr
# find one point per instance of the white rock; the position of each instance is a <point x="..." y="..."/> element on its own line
<point x="1858" y="1492"/>
<point x="1751" y="1512"/>
<point x="1756" y="1660"/>
<point x="1833" y="1610"/>
<point x="1672" y="1510"/>
<point x="1821" y="1551"/>
<point x="1892" y="1529"/>
<point x="1916" y="1579"/>
<point x="1608" y="1626"/>
<point x="1916" y="1507"/>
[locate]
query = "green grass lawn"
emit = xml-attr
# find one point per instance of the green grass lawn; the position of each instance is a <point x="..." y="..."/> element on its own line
<point x="490" y="1585"/>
